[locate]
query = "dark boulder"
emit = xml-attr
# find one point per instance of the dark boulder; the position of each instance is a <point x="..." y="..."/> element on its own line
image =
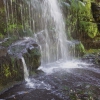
<point x="3" y="51"/>
<point x="11" y="67"/>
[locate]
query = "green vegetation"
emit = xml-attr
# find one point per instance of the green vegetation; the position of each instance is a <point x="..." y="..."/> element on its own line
<point x="80" y="24"/>
<point x="92" y="51"/>
<point x="7" y="72"/>
<point x="79" y="19"/>
<point x="12" y="21"/>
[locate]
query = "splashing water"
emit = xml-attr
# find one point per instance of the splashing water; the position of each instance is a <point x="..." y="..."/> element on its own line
<point x="33" y="83"/>
<point x="26" y="74"/>
<point x="63" y="65"/>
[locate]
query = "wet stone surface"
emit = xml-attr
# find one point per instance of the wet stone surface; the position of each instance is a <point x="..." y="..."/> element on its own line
<point x="81" y="83"/>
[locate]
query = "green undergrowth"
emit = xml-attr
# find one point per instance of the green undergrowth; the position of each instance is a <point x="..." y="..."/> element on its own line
<point x="92" y="51"/>
<point x="79" y="19"/>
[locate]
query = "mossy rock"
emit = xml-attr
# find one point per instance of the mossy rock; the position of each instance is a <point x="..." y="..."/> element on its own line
<point x="11" y="66"/>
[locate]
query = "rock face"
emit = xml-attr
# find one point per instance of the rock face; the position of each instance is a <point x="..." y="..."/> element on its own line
<point x="96" y="14"/>
<point x="11" y="67"/>
<point x="93" y="58"/>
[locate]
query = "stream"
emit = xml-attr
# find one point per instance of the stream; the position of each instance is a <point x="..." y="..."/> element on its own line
<point x="71" y="80"/>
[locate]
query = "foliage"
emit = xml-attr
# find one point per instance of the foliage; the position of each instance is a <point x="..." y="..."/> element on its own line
<point x="80" y="24"/>
<point x="92" y="51"/>
<point x="12" y="20"/>
<point x="89" y="28"/>
<point x="85" y="19"/>
<point x="7" y="72"/>
<point x="79" y="18"/>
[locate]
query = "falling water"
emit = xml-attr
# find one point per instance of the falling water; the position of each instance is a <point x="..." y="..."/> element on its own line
<point x="45" y="20"/>
<point x="51" y="36"/>
<point x="26" y="74"/>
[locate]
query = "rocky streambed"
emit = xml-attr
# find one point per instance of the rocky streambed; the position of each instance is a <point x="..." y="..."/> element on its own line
<point x="59" y="81"/>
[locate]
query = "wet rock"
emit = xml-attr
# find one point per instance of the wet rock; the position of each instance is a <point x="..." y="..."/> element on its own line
<point x="97" y="59"/>
<point x="92" y="58"/>
<point x="96" y="14"/>
<point x="3" y="51"/>
<point x="11" y="67"/>
<point x="99" y="97"/>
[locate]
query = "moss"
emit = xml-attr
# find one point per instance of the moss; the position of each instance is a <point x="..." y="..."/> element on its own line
<point x="80" y="47"/>
<point x="7" y="72"/>
<point x="32" y="73"/>
<point x="79" y="20"/>
<point x="9" y="41"/>
<point x="89" y="28"/>
<point x="92" y="51"/>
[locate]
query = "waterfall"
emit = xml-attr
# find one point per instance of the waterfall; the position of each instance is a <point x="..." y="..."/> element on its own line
<point x="51" y="35"/>
<point x="41" y="19"/>
<point x="26" y="73"/>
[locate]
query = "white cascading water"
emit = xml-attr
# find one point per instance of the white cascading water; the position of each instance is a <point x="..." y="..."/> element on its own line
<point x="32" y="83"/>
<point x="26" y="73"/>
<point x="51" y="36"/>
